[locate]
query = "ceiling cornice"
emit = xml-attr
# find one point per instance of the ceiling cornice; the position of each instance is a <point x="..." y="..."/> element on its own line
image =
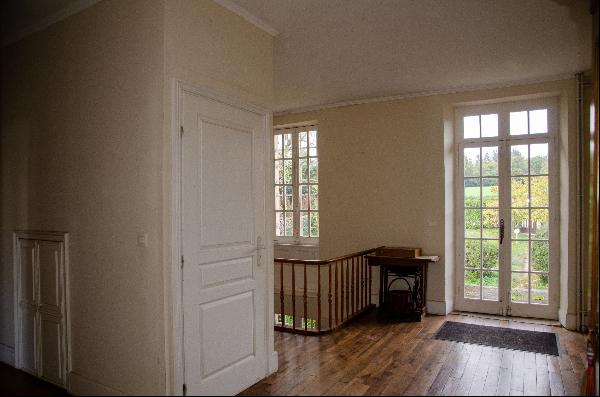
<point x="67" y="11"/>
<point x="454" y="90"/>
<point x="242" y="12"/>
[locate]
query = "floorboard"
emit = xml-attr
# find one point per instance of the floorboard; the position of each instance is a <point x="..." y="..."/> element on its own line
<point x="370" y="358"/>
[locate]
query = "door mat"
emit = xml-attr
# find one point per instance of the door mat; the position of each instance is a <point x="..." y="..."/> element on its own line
<point x="506" y="338"/>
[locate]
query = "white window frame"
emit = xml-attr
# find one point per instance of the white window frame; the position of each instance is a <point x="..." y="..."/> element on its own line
<point x="295" y="129"/>
<point x="504" y="139"/>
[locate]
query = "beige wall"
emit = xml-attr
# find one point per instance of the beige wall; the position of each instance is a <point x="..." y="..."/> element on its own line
<point x="81" y="149"/>
<point x="86" y="110"/>
<point x="382" y="176"/>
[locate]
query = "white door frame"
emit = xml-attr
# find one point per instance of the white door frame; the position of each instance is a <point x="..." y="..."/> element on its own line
<point x="504" y="142"/>
<point x="66" y="320"/>
<point x="173" y="290"/>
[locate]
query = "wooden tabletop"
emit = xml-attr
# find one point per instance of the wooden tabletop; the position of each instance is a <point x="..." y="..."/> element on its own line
<point x="376" y="260"/>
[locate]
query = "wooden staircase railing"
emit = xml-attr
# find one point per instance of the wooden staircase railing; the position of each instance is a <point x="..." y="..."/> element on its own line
<point x="333" y="292"/>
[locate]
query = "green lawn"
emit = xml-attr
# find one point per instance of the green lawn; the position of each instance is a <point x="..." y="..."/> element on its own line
<point x="473" y="192"/>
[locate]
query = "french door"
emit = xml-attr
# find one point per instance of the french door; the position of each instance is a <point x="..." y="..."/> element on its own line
<point x="507" y="189"/>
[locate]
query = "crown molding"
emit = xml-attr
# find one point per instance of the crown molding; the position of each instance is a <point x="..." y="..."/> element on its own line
<point x="242" y="12"/>
<point x="453" y="90"/>
<point x="67" y="11"/>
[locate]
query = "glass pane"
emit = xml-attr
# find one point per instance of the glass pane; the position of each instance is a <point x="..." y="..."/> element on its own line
<point x="518" y="123"/>
<point x="277" y="144"/>
<point x="539" y="158"/>
<point x="289" y="198"/>
<point x="471" y="127"/>
<point x="287" y="146"/>
<point x="313" y="152"/>
<point x="304" y="224"/>
<point x="314" y="171"/>
<point x="287" y="171"/>
<point x="279" y="224"/>
<point x="472" y="283"/>
<point x="303" y="143"/>
<point x="491" y="224"/>
<point x="314" y="224"/>
<point x="279" y="205"/>
<point x="471" y="157"/>
<point x="472" y="192"/>
<point x="289" y="223"/>
<point x="538" y="121"/>
<point x="490" y="192"/>
<point x="539" y="256"/>
<point x="489" y="125"/>
<point x="519" y="255"/>
<point x="518" y="160"/>
<point x="304" y="197"/>
<point x="490" y="286"/>
<point x="303" y="171"/>
<point x="519" y="192"/>
<point x="520" y="224"/>
<point x="539" y="191"/>
<point x="491" y="254"/>
<point x="312" y="138"/>
<point x="279" y="171"/>
<point x="539" y="289"/>
<point x="539" y="224"/>
<point x="473" y="223"/>
<point x="520" y="287"/>
<point x="314" y="197"/>
<point x="490" y="160"/>
<point x="473" y="253"/>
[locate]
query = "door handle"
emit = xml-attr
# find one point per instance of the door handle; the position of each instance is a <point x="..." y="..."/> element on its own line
<point x="501" y="230"/>
<point x="259" y="250"/>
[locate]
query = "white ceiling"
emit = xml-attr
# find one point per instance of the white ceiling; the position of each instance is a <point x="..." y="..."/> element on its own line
<point x="331" y="51"/>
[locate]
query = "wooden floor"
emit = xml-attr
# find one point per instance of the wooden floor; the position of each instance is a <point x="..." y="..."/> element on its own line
<point x="18" y="383"/>
<point x="371" y="358"/>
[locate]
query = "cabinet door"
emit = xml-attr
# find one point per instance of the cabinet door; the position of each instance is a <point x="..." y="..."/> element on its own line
<point x="50" y="311"/>
<point x="27" y="302"/>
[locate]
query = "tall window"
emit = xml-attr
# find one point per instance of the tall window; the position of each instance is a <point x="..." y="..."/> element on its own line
<point x="296" y="185"/>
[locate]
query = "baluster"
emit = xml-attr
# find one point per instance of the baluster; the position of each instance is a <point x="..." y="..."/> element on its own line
<point x="329" y="293"/>
<point x="318" y="297"/>
<point x="347" y="289"/>
<point x="356" y="285"/>
<point x="353" y="285"/>
<point x="362" y="283"/>
<point x="305" y="300"/>
<point x="343" y="290"/>
<point x="282" y="296"/>
<point x="369" y="286"/>
<point x="337" y="295"/>
<point x="293" y="296"/>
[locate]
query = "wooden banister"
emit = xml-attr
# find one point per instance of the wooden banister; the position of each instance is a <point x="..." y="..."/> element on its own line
<point x="348" y="292"/>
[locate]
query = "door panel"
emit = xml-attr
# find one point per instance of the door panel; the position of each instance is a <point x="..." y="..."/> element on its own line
<point x="28" y="339"/>
<point x="27" y="259"/>
<point x="49" y="256"/>
<point x="51" y="357"/>
<point x="223" y="216"/>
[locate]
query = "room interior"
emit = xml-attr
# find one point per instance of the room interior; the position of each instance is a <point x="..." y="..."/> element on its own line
<point x="94" y="133"/>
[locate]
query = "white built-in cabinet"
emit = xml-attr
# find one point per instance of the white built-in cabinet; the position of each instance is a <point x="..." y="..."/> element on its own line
<point x="41" y="274"/>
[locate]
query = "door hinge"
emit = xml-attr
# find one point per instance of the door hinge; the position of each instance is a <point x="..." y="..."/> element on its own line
<point x="182" y="261"/>
<point x="181" y="129"/>
<point x="184" y="389"/>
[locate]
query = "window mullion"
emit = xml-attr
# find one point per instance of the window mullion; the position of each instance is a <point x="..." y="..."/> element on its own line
<point x="295" y="183"/>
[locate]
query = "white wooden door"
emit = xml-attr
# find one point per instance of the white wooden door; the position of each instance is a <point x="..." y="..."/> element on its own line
<point x="223" y="225"/>
<point x="41" y="340"/>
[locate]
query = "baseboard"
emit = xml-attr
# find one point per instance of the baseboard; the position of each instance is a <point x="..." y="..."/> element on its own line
<point x="7" y="355"/>
<point x="79" y="385"/>
<point x="437" y="307"/>
<point x="273" y="363"/>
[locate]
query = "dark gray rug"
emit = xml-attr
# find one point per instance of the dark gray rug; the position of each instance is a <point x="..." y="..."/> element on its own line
<point x="506" y="338"/>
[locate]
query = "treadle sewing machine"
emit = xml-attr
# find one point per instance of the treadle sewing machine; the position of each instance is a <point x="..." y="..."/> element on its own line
<point x="405" y="266"/>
